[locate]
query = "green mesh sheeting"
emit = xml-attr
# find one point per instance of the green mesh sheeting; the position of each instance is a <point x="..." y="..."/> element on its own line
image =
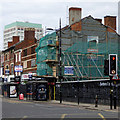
<point x="44" y="69"/>
<point x="84" y="50"/>
<point x="46" y="51"/>
<point x="87" y="58"/>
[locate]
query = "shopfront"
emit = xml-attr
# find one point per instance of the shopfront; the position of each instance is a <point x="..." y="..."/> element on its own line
<point x="37" y="90"/>
<point x="41" y="88"/>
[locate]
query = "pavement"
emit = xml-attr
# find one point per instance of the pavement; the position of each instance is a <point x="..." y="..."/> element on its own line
<point x="81" y="105"/>
<point x="88" y="106"/>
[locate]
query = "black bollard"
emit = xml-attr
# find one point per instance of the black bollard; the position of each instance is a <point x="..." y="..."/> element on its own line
<point x="114" y="102"/>
<point x="96" y="101"/>
<point x="111" y="97"/>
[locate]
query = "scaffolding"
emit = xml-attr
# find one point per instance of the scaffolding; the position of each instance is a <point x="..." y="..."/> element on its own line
<point x="88" y="49"/>
<point x="46" y="54"/>
<point x="83" y="50"/>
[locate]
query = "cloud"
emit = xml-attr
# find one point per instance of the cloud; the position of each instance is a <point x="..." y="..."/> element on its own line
<point x="49" y="12"/>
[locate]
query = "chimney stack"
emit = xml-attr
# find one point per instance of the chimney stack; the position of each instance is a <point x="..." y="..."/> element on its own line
<point x="110" y="21"/>
<point x="15" y="39"/>
<point x="29" y="34"/>
<point x="74" y="15"/>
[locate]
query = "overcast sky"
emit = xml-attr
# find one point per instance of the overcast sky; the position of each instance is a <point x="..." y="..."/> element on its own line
<point x="49" y="12"/>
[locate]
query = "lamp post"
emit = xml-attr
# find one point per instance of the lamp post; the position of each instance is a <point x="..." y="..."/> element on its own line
<point x="60" y="65"/>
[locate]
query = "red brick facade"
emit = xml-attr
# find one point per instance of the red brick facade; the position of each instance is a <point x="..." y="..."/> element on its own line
<point x="21" y="54"/>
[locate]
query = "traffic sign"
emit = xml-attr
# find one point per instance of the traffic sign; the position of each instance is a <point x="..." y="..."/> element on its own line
<point x="115" y="77"/>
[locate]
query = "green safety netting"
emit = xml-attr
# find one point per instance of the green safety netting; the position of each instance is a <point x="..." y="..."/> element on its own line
<point x="84" y="50"/>
<point x="46" y="51"/>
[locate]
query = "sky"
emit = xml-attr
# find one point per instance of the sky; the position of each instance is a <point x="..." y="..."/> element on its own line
<point x="48" y="12"/>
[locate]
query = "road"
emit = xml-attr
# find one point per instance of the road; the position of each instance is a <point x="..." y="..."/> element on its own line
<point x="24" y="110"/>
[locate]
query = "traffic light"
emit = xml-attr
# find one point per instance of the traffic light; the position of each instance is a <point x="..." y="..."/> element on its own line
<point x="112" y="64"/>
<point x="106" y="67"/>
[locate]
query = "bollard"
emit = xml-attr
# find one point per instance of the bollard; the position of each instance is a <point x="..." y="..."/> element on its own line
<point x="96" y="101"/>
<point x="114" y="102"/>
<point x="111" y="97"/>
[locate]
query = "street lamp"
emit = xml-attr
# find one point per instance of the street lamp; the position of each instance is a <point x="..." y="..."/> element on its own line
<point x="60" y="65"/>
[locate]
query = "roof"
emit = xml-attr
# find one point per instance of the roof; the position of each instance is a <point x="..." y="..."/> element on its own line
<point x="6" y="50"/>
<point x="23" y="24"/>
<point x="95" y="20"/>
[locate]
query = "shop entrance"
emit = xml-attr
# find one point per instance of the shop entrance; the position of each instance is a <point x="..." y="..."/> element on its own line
<point x="51" y="89"/>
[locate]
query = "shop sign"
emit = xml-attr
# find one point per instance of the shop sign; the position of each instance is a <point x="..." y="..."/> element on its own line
<point x="18" y="68"/>
<point x="69" y="70"/>
<point x="25" y="76"/>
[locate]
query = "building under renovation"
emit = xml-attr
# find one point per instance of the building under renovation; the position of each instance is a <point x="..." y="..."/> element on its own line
<point x="86" y="43"/>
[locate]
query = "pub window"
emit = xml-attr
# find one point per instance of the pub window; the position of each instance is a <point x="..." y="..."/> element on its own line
<point x="7" y="67"/>
<point x="25" y="64"/>
<point x="19" y="56"/>
<point x="25" y="52"/>
<point x="33" y="62"/>
<point x="32" y="49"/>
<point x="6" y="57"/>
<point x="12" y="67"/>
<point x="16" y="57"/>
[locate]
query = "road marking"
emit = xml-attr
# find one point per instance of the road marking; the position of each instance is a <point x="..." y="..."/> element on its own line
<point x="111" y="111"/>
<point x="101" y="116"/>
<point x="63" y="116"/>
<point x="23" y="118"/>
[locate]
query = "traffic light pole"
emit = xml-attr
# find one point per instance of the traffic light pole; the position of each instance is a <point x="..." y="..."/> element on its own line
<point x="111" y="92"/>
<point x="112" y="72"/>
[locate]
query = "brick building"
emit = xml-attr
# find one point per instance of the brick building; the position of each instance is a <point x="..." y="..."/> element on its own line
<point x="9" y="60"/>
<point x="25" y="54"/>
<point x="20" y="57"/>
<point x="85" y="44"/>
